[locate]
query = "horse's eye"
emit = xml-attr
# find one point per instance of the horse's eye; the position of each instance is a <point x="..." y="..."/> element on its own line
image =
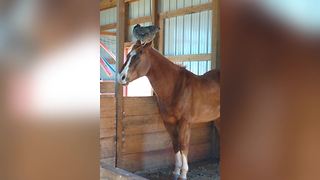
<point x="134" y="56"/>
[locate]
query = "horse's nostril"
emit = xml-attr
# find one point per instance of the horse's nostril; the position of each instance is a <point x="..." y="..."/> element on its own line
<point x="123" y="77"/>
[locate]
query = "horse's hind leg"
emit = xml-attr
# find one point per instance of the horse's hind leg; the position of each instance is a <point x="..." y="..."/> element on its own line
<point x="184" y="139"/>
<point x="173" y="132"/>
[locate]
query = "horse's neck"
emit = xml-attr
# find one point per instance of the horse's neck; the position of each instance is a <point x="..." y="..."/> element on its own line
<point x="162" y="75"/>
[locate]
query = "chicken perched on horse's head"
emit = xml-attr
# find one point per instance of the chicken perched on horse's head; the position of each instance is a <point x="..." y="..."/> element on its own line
<point x="145" y="33"/>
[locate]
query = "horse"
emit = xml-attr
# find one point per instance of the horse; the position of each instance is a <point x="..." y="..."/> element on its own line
<point x="183" y="98"/>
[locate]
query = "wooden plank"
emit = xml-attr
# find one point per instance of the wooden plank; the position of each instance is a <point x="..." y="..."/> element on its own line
<point x="107" y="147"/>
<point x="187" y="10"/>
<point x="107" y="33"/>
<point x="155" y="21"/>
<point x="161" y="140"/>
<point x="148" y="124"/>
<point x="107" y="4"/>
<point x="162" y="158"/>
<point x="193" y="57"/>
<point x="121" y="31"/>
<point x="126" y="24"/>
<point x="215" y="34"/>
<point x="108" y="132"/>
<point x="107" y="86"/>
<point x="134" y="106"/>
<point x="140" y="20"/>
<point x="161" y="35"/>
<point x="107" y="106"/>
<point x="108" y="122"/>
<point x="108" y="26"/>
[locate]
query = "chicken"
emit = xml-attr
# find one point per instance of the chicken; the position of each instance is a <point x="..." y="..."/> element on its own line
<point x="145" y="33"/>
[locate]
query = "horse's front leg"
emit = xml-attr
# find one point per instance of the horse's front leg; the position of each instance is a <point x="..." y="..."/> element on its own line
<point x="173" y="132"/>
<point x="184" y="139"/>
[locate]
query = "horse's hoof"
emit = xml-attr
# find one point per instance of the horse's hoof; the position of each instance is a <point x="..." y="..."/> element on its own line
<point x="175" y="176"/>
<point x="180" y="178"/>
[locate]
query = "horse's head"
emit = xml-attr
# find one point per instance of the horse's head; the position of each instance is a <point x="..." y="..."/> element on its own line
<point x="137" y="65"/>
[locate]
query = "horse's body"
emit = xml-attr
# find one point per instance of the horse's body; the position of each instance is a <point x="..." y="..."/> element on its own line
<point x="183" y="97"/>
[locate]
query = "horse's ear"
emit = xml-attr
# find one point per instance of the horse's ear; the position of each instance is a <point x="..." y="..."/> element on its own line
<point x="148" y="44"/>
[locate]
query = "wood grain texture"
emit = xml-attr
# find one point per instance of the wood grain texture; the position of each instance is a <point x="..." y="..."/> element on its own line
<point x="107" y="147"/>
<point x="107" y="87"/>
<point x="187" y="10"/>
<point x="193" y="57"/>
<point x="121" y="35"/>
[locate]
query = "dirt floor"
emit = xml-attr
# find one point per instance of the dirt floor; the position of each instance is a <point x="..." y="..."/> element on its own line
<point x="203" y="170"/>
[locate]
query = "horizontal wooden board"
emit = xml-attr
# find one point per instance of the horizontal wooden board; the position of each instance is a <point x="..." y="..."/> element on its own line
<point x="107" y="87"/>
<point x="162" y="158"/>
<point x="135" y="106"/>
<point x="192" y="57"/>
<point x="107" y="33"/>
<point x="107" y="132"/>
<point x="107" y="4"/>
<point x="161" y="140"/>
<point x="140" y="20"/>
<point x="107" y="106"/>
<point x="108" y="26"/>
<point x="107" y="122"/>
<point x="143" y="124"/>
<point x="186" y="10"/>
<point x="107" y="147"/>
<point x="149" y="124"/>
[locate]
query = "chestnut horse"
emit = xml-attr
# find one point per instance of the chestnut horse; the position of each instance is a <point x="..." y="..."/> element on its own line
<point x="183" y="97"/>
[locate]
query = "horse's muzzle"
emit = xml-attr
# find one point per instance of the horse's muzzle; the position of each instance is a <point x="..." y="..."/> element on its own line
<point x="122" y="79"/>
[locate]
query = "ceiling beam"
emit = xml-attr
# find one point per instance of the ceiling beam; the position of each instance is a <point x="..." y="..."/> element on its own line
<point x="187" y="10"/>
<point x="108" y="26"/>
<point x="107" y="4"/>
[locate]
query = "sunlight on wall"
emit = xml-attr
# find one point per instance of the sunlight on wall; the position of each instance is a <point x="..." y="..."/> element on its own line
<point x="140" y="87"/>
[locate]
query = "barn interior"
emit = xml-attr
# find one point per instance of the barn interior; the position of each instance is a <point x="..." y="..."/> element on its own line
<point x="132" y="135"/>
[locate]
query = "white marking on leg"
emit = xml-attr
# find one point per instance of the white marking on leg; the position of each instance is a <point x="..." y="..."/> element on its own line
<point x="178" y="163"/>
<point x="185" y="166"/>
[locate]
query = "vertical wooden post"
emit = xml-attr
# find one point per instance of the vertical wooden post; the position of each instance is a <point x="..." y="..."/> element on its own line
<point x="215" y="34"/>
<point x="126" y="25"/>
<point x="121" y="20"/>
<point x="215" y="63"/>
<point x="161" y="35"/>
<point x="155" y="21"/>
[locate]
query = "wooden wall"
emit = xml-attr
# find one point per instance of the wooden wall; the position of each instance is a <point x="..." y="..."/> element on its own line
<point x="145" y="143"/>
<point x="107" y="124"/>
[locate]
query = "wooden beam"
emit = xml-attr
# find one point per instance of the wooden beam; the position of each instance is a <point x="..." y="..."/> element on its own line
<point x="107" y="4"/>
<point x="215" y="35"/>
<point x="126" y="23"/>
<point x="130" y="1"/>
<point x="108" y="26"/>
<point x="121" y="31"/>
<point x="193" y="57"/>
<point x="140" y="20"/>
<point x="187" y="10"/>
<point x="129" y="22"/>
<point x="161" y="36"/>
<point x="107" y="33"/>
<point x="155" y="21"/>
